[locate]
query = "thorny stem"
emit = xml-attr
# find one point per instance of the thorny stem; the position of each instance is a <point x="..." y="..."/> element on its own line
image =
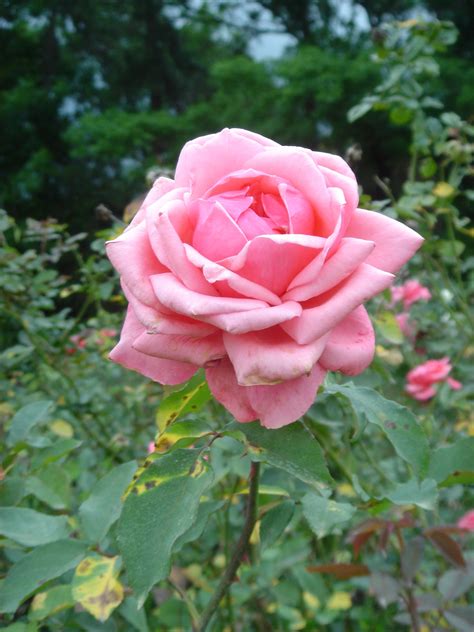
<point x="239" y="551"/>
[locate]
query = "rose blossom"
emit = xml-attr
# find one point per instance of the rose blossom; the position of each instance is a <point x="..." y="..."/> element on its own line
<point x="421" y="379"/>
<point x="254" y="263"/>
<point x="406" y="327"/>
<point x="467" y="521"/>
<point x="410" y="292"/>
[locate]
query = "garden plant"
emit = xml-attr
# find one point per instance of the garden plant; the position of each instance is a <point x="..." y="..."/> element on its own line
<point x="247" y="405"/>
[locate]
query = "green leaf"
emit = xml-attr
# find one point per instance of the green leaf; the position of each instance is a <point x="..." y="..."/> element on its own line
<point x="51" y="485"/>
<point x="51" y="601"/>
<point x="292" y="448"/>
<point x="324" y="515"/>
<point x="397" y="422"/>
<point x="451" y="459"/>
<point x="25" y="419"/>
<point x="181" y="434"/>
<point x="12" y="490"/>
<point x="456" y="582"/>
<point x="31" y="528"/>
<point x="161" y="506"/>
<point x="274" y="522"/>
<point x="96" y="587"/>
<point x="36" y="568"/>
<point x="195" y="531"/>
<point x="54" y="452"/>
<point x="135" y="616"/>
<point x="388" y="326"/>
<point x="359" y="110"/>
<point x="188" y="399"/>
<point x="461" y="618"/>
<point x="424" y="494"/>
<point x="103" y="507"/>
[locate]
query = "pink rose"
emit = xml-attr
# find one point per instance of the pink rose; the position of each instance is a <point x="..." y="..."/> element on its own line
<point x="254" y="263"/>
<point x="406" y="327"/>
<point x="410" y="292"/>
<point x="467" y="521"/>
<point x="421" y="379"/>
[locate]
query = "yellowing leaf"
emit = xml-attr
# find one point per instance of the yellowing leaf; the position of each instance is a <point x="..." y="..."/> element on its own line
<point x="393" y="357"/>
<point x="311" y="601"/>
<point x="51" y="601"/>
<point x="345" y="489"/>
<point x="443" y="190"/>
<point x="62" y="428"/>
<point x="96" y="587"/>
<point x="339" y="601"/>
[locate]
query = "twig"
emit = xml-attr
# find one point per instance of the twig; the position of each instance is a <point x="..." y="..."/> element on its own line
<point x="239" y="551"/>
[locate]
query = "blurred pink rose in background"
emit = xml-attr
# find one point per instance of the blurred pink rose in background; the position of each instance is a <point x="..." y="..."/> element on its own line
<point x="406" y="327"/>
<point x="409" y="293"/>
<point x="254" y="262"/>
<point x="467" y="521"/>
<point x="421" y="379"/>
<point x="150" y="447"/>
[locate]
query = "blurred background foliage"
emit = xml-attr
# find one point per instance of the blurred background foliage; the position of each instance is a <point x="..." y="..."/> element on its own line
<point x="94" y="93"/>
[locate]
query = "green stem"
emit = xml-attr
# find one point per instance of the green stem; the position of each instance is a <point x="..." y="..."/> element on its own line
<point x="239" y="551"/>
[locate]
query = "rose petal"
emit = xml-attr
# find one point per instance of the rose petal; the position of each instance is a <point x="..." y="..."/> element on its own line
<point x="270" y="356"/>
<point x="223" y="385"/>
<point x="255" y="319"/>
<point x="395" y="243"/>
<point x="224" y="278"/>
<point x="350" y="254"/>
<point x="288" y="255"/>
<point x="351" y="345"/>
<point x="161" y="187"/>
<point x="204" y="161"/>
<point x="175" y="296"/>
<point x="216" y="235"/>
<point x="163" y="371"/>
<point x="454" y="384"/>
<point x="323" y="313"/>
<point x="197" y="351"/>
<point x="296" y="166"/>
<point x="167" y="229"/>
<point x="132" y="256"/>
<point x="279" y="405"/>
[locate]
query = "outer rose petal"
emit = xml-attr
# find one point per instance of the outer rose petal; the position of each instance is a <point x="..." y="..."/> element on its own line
<point x="223" y="385"/>
<point x="270" y="356"/>
<point x="160" y="187"/>
<point x="206" y="160"/>
<point x="197" y="351"/>
<point x="395" y="243"/>
<point x="420" y="393"/>
<point x="454" y="384"/>
<point x="132" y="256"/>
<point x="167" y="228"/>
<point x="323" y="313"/>
<point x="351" y="345"/>
<point x="163" y="371"/>
<point x="175" y="296"/>
<point x="275" y="406"/>
<point x="280" y="405"/>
